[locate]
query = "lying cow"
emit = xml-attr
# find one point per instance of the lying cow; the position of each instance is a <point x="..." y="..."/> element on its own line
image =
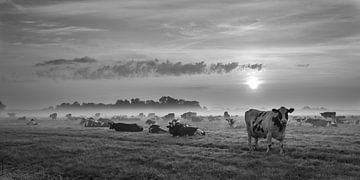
<point x="97" y="115"/>
<point x="32" y="122"/>
<point x="267" y="124"/>
<point x="126" y="127"/>
<point x="150" y="122"/>
<point x="105" y="121"/>
<point x="22" y="118"/>
<point x="178" y="129"/>
<point x="156" y="129"/>
<point x="91" y="122"/>
<point x="12" y="115"/>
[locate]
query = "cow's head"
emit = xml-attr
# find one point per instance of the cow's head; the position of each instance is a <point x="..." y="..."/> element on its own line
<point x="283" y="114"/>
<point x="200" y="132"/>
<point x="111" y="125"/>
<point x="140" y="128"/>
<point x="173" y="123"/>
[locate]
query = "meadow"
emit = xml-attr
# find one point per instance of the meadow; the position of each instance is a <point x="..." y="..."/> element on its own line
<point x="63" y="149"/>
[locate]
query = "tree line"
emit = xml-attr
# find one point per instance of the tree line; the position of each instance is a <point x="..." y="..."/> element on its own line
<point x="163" y="102"/>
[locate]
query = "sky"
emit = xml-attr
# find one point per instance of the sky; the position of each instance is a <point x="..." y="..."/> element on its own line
<point x="231" y="54"/>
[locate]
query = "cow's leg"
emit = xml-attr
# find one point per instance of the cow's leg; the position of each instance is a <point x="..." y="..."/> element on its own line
<point x="249" y="142"/>
<point x="268" y="138"/>
<point x="282" y="152"/>
<point x="256" y="143"/>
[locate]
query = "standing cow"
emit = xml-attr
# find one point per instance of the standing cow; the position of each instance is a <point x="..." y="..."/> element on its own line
<point x="53" y="116"/>
<point x="267" y="124"/>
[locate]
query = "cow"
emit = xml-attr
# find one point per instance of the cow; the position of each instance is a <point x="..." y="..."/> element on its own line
<point x="97" y="115"/>
<point x="169" y="116"/>
<point x="126" y="127"/>
<point x="32" y="122"/>
<point x="90" y="122"/>
<point x="196" y="119"/>
<point x="228" y="119"/>
<point x="12" y="115"/>
<point x="53" y="116"/>
<point x="105" y="122"/>
<point x="178" y="129"/>
<point x="22" y="118"/>
<point x="317" y="122"/>
<point x="226" y="115"/>
<point x="150" y="122"/>
<point x="69" y="116"/>
<point x="73" y="118"/>
<point x="214" y="118"/>
<point x="330" y="116"/>
<point x="156" y="129"/>
<point x="141" y="115"/>
<point x="267" y="124"/>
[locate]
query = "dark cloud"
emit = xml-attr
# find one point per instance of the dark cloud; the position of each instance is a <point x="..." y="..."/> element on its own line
<point x="65" y="61"/>
<point x="257" y="67"/>
<point x="223" y="68"/>
<point x="169" y="68"/>
<point x="71" y="69"/>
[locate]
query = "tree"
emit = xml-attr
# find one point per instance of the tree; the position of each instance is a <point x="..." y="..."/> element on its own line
<point x="76" y="104"/>
<point x="2" y="106"/>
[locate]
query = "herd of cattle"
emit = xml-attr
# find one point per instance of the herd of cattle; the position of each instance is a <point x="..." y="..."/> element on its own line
<point x="259" y="124"/>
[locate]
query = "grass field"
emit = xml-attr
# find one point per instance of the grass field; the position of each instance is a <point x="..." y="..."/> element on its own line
<point x="65" y="150"/>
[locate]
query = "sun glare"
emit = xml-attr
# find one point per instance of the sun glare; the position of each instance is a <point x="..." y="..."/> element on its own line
<point x="253" y="82"/>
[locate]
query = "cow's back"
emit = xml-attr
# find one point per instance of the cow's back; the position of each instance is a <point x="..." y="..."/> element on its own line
<point x="250" y="115"/>
<point x="127" y="127"/>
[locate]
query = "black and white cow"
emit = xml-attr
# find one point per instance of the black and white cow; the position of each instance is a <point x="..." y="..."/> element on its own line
<point x="178" y="129"/>
<point x="53" y="116"/>
<point x="32" y="122"/>
<point x="267" y="124"/>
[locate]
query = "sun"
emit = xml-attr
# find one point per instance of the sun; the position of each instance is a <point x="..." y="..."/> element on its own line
<point x="253" y="82"/>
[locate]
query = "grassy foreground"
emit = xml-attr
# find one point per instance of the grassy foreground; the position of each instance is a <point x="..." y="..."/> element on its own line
<point x="65" y="150"/>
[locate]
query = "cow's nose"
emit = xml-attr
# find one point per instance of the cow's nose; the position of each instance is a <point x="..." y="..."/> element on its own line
<point x="284" y="121"/>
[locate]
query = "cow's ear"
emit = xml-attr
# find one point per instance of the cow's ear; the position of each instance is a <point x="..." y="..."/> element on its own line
<point x="291" y="110"/>
<point x="275" y="110"/>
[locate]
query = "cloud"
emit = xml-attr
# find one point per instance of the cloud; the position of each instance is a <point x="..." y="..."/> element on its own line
<point x="8" y="6"/>
<point x="86" y="68"/>
<point x="51" y="28"/>
<point x="314" y="108"/>
<point x="64" y="61"/>
<point x="68" y="30"/>
<point x="303" y="65"/>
